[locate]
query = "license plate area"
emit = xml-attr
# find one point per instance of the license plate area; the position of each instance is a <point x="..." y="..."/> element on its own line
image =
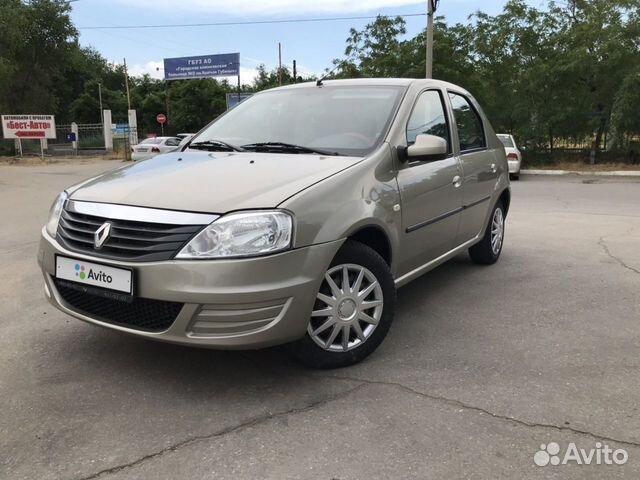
<point x="92" y="276"/>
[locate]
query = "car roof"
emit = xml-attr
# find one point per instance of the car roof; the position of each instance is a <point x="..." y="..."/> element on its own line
<point x="386" y="82"/>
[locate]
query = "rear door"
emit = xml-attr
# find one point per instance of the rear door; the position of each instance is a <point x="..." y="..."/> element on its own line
<point x="430" y="190"/>
<point x="479" y="166"/>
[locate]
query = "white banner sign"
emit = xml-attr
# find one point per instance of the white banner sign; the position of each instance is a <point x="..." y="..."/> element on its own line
<point x="29" y="126"/>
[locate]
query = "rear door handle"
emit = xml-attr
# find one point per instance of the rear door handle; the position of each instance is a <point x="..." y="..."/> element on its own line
<point x="457" y="181"/>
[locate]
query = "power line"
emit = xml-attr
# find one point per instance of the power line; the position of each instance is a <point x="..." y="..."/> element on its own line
<point x="254" y="22"/>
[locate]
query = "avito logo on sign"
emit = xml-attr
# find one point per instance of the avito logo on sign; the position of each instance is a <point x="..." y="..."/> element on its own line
<point x="29" y="126"/>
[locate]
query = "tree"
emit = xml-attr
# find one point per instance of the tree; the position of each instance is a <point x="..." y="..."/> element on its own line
<point x="599" y="44"/>
<point x="46" y="37"/>
<point x="626" y="119"/>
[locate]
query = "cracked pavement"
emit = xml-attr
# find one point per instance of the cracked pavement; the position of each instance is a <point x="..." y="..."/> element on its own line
<point x="481" y="367"/>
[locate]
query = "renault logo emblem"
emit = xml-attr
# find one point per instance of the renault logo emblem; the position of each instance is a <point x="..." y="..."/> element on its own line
<point x="101" y="235"/>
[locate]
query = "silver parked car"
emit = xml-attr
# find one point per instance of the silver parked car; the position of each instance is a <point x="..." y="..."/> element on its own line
<point x="514" y="156"/>
<point x="291" y="219"/>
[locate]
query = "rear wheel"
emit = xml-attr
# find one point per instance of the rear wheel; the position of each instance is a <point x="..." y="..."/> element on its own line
<point x="488" y="250"/>
<point x="353" y="310"/>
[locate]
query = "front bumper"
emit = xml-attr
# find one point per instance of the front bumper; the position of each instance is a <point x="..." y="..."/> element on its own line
<point x="230" y="304"/>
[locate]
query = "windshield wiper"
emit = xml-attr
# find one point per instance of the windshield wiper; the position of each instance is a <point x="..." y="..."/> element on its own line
<point x="285" y="147"/>
<point x="214" y="145"/>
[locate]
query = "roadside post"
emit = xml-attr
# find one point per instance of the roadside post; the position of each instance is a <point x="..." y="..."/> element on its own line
<point x="107" y="128"/>
<point x="74" y="140"/>
<point x="432" y="6"/>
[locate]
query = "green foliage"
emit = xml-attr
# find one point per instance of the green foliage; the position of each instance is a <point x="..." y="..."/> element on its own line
<point x="543" y="74"/>
<point x="569" y="72"/>
<point x="43" y="69"/>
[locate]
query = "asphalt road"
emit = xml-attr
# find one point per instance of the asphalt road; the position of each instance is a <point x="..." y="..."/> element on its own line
<point x="482" y="365"/>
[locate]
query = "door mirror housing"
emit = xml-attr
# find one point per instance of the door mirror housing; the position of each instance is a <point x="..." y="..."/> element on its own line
<point x="427" y="147"/>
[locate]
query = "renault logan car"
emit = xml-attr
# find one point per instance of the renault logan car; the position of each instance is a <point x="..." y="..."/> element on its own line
<point x="291" y="219"/>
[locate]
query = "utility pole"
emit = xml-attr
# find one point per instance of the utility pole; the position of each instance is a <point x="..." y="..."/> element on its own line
<point x="100" y="97"/>
<point x="126" y="83"/>
<point x="295" y="72"/>
<point x="279" y="63"/>
<point x="429" y="59"/>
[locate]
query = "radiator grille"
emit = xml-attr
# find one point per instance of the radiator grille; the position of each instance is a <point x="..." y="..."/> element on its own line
<point x="129" y="240"/>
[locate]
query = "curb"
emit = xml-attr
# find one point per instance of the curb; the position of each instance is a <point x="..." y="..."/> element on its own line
<point x="614" y="173"/>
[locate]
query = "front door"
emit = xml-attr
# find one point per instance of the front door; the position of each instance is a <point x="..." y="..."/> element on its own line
<point x="430" y="191"/>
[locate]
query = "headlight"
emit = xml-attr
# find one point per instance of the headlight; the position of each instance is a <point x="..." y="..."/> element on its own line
<point x="242" y="234"/>
<point x="54" y="214"/>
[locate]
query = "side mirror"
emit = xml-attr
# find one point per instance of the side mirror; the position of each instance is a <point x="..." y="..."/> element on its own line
<point x="428" y="147"/>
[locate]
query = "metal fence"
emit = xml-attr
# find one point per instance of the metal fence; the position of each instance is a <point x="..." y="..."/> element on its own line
<point x="91" y="136"/>
<point x="123" y="141"/>
<point x="61" y="145"/>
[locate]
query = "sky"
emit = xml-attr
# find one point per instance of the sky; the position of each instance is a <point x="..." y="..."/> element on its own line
<point x="312" y="45"/>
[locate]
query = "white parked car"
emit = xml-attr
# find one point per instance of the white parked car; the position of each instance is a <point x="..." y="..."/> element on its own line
<point x="514" y="156"/>
<point x="151" y="147"/>
<point x="185" y="138"/>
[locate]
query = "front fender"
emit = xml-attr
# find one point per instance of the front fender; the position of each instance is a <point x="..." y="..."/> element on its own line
<point x="362" y="196"/>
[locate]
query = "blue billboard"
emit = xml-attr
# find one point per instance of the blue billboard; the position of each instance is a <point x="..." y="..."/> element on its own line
<point x="203" y="66"/>
<point x="234" y="99"/>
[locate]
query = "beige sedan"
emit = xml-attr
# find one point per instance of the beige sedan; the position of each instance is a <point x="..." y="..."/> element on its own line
<point x="292" y="218"/>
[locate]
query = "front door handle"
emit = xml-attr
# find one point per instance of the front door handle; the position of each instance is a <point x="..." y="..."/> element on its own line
<point x="494" y="169"/>
<point x="457" y="181"/>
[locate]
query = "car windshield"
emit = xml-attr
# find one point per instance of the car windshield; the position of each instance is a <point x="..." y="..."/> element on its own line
<point x="151" y="141"/>
<point x="347" y="120"/>
<point x="506" y="140"/>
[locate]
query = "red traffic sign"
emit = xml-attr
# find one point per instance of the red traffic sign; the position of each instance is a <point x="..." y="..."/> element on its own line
<point x="161" y="118"/>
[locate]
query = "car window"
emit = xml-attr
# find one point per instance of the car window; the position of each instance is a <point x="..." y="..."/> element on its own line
<point x="428" y="117"/>
<point x="151" y="141"/>
<point x="469" y="123"/>
<point x="349" y="120"/>
<point x="506" y="141"/>
<point x="172" y="142"/>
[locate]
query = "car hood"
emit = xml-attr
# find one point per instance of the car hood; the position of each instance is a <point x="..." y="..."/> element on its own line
<point x="211" y="182"/>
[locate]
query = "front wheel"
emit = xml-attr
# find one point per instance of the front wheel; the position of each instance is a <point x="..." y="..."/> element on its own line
<point x="352" y="312"/>
<point x="488" y="250"/>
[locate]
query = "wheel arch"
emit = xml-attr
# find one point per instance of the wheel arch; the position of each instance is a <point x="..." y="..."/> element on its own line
<point x="505" y="198"/>
<point x="375" y="238"/>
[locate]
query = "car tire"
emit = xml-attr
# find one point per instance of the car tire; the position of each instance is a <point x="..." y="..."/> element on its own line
<point x="349" y="322"/>
<point x="487" y="251"/>
<point x="515" y="176"/>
